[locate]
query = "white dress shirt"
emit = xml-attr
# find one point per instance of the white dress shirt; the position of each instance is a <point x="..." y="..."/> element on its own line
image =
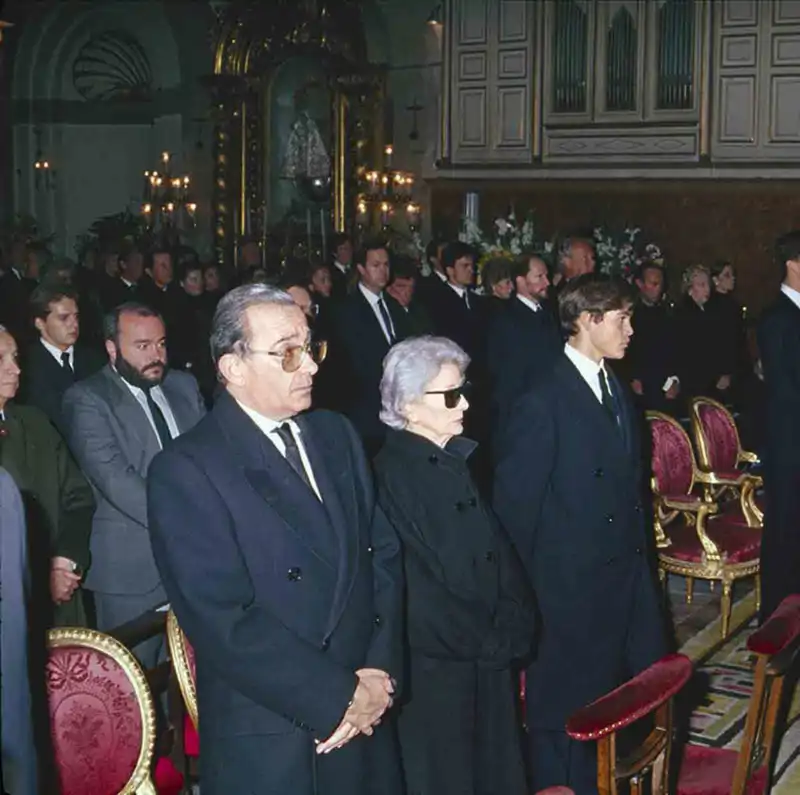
<point x="589" y="370"/>
<point x="343" y="268"/>
<point x="269" y="428"/>
<point x="160" y="399"/>
<point x="441" y="275"/>
<point x="459" y="291"/>
<point x="373" y="301"/>
<point x="791" y="294"/>
<point x="57" y="352"/>
<point x="534" y="306"/>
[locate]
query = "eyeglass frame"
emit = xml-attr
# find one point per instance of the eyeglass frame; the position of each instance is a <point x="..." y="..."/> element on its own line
<point x="458" y="391"/>
<point x="305" y="350"/>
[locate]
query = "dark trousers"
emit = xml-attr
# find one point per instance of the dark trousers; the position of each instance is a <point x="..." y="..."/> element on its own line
<point x="557" y="760"/>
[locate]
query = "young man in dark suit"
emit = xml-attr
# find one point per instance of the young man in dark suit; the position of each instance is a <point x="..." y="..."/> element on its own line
<point x="366" y="323"/>
<point x="57" y="360"/>
<point x="281" y="570"/>
<point x="569" y="490"/>
<point x="779" y="345"/>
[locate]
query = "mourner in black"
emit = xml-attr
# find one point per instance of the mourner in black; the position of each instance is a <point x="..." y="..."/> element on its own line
<point x="569" y="488"/>
<point x="468" y="607"/>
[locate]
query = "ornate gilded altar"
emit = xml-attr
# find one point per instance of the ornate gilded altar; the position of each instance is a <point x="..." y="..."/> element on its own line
<point x="297" y="110"/>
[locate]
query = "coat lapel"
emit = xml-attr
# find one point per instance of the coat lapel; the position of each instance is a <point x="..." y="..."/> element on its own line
<point x="336" y="485"/>
<point x="178" y="403"/>
<point x="131" y="415"/>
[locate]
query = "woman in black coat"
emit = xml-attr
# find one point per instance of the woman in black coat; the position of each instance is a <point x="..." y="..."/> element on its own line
<point x="469" y="613"/>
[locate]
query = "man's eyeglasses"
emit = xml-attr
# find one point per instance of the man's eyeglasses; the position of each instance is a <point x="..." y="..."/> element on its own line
<point x="292" y="357"/>
<point x="453" y="396"/>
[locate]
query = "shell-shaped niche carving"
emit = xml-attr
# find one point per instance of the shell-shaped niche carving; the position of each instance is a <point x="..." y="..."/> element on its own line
<point x="112" y="65"/>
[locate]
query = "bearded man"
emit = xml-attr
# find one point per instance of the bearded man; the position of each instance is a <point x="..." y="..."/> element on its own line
<point x="116" y="422"/>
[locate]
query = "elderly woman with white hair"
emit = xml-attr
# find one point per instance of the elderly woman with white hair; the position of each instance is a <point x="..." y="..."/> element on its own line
<point x="469" y="613"/>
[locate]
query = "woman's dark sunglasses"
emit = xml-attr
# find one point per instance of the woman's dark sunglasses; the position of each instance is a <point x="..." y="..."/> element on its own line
<point x="454" y="395"/>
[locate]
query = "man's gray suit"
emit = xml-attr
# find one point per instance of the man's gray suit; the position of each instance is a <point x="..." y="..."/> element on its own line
<point x="114" y="442"/>
<point x="18" y="752"/>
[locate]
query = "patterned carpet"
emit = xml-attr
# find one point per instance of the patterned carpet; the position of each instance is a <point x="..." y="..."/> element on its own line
<point x="719" y="693"/>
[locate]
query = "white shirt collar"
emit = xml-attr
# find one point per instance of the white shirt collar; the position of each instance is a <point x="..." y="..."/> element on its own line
<point x="343" y="268"/>
<point x="457" y="289"/>
<point x="266" y="424"/>
<point x="369" y="295"/>
<point x="56" y="352"/>
<point x="791" y="294"/>
<point x="534" y="306"/>
<point x="442" y="276"/>
<point x="588" y="368"/>
<point x="126" y="282"/>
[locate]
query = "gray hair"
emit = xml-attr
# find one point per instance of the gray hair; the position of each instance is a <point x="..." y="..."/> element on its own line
<point x="408" y="369"/>
<point x="690" y="273"/>
<point x="229" y="330"/>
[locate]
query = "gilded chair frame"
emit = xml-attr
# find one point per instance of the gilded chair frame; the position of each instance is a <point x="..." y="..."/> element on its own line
<point x="696" y="511"/>
<point x="180" y="664"/>
<point x="140" y="782"/>
<point x="715" y="486"/>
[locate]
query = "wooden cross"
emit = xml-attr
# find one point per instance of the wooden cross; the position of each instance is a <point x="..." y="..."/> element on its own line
<point x="415" y="108"/>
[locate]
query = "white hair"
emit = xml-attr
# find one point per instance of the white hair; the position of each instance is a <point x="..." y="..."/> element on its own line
<point x="408" y="369"/>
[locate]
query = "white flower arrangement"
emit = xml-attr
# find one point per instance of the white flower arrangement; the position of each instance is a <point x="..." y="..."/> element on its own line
<point x="622" y="254"/>
<point x="510" y="239"/>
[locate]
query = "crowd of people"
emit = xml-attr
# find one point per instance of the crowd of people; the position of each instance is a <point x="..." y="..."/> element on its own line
<point x="372" y="494"/>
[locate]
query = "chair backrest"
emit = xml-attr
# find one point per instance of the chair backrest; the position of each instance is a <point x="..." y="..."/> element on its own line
<point x="649" y="693"/>
<point x="672" y="457"/>
<point x="715" y="434"/>
<point x="102" y="718"/>
<point x="776" y="643"/>
<point x="183" y="664"/>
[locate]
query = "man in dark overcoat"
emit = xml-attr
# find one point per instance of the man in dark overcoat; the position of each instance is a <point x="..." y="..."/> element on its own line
<point x="779" y="346"/>
<point x="281" y="570"/>
<point x="568" y="490"/>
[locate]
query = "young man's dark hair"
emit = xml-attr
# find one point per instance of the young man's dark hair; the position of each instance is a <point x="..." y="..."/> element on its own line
<point x="787" y="248"/>
<point x="522" y="264"/>
<point x="43" y="296"/>
<point x="455" y="251"/>
<point x="152" y="252"/>
<point x="404" y="267"/>
<point x="649" y="266"/>
<point x="593" y="293"/>
<point x="377" y="244"/>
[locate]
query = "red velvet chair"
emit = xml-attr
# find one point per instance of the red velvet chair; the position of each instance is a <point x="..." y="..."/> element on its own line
<point x="693" y="537"/>
<point x="723" y="771"/>
<point x="182" y="656"/>
<point x="649" y="693"/>
<point x="721" y="456"/>
<point x="102" y="718"/>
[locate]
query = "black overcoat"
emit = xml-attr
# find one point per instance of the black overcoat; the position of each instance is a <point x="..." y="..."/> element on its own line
<point x="568" y="491"/>
<point x="283" y="597"/>
<point x="469" y="616"/>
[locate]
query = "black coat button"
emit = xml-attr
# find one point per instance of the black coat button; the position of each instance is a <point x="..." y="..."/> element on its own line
<point x="638" y="508"/>
<point x="461" y="506"/>
<point x="294" y="574"/>
<point x="638" y="550"/>
<point x="490" y="556"/>
<point x="610" y="518"/>
<point x="473" y="503"/>
<point x="433" y="459"/>
<point x="377" y="621"/>
<point x="370" y="550"/>
<point x="326" y="644"/>
<point x="598" y="473"/>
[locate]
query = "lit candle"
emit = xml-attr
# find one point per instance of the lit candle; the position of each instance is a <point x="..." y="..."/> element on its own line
<point x="386" y="210"/>
<point x="372" y="179"/>
<point x="409" y="185"/>
<point x="413" y="216"/>
<point x="165" y="157"/>
<point x="388" y="151"/>
<point x="361" y="213"/>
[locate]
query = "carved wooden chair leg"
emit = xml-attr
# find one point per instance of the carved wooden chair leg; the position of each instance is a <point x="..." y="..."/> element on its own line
<point x="689" y="590"/>
<point x="725" y="607"/>
<point x="758" y="591"/>
<point x="711" y="586"/>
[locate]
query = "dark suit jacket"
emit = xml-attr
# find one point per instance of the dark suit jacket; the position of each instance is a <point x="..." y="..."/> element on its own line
<point x="779" y="346"/>
<point x="358" y="349"/>
<point x="44" y="380"/>
<point x="522" y="345"/>
<point x="341" y="282"/>
<point x="452" y="319"/>
<point x="568" y="490"/>
<point x="283" y="597"/>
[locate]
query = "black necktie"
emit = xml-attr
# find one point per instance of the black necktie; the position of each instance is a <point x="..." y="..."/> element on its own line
<point x="65" y="363"/>
<point x="162" y="429"/>
<point x="293" y="457"/>
<point x="466" y="299"/>
<point x="387" y="321"/>
<point x="609" y="404"/>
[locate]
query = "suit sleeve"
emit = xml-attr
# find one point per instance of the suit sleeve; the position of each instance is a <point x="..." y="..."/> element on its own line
<point x="525" y="455"/>
<point x="97" y="451"/>
<point x="778" y="348"/>
<point x="76" y="509"/>
<point x="209" y="588"/>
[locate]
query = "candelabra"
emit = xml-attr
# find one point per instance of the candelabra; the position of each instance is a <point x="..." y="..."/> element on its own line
<point x="44" y="173"/>
<point x="382" y="192"/>
<point x="166" y="197"/>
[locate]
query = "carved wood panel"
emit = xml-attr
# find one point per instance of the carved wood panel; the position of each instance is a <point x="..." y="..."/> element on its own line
<point x="491" y="89"/>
